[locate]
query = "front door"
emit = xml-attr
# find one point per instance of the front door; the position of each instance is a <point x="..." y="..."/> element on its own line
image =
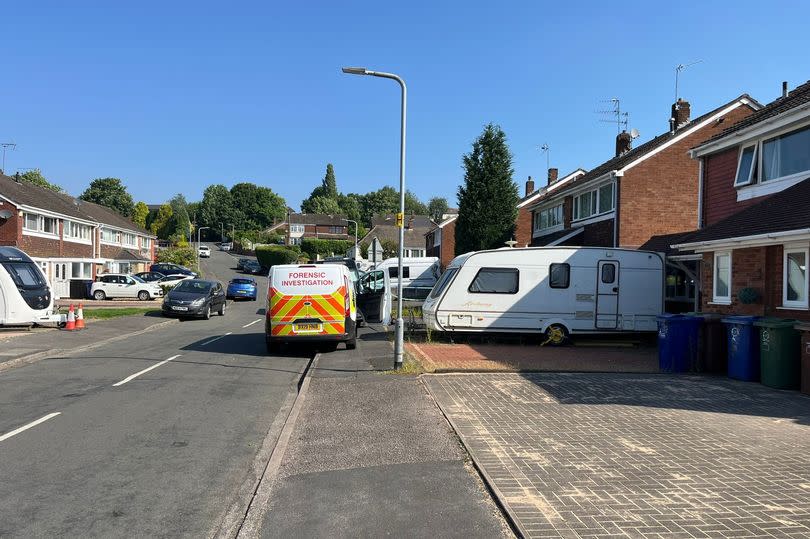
<point x="607" y="295"/>
<point x="61" y="280"/>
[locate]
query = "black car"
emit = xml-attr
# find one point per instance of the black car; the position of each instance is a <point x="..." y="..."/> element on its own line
<point x="240" y="264"/>
<point x="171" y="269"/>
<point x="252" y="266"/>
<point x="150" y="276"/>
<point x="195" y="298"/>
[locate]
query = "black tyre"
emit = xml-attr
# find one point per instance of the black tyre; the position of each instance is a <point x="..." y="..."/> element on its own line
<point x="99" y="295"/>
<point x="556" y="335"/>
<point x="143" y="295"/>
<point x="328" y="347"/>
<point x="222" y="308"/>
<point x="351" y="344"/>
<point x="207" y="313"/>
<point x="272" y="346"/>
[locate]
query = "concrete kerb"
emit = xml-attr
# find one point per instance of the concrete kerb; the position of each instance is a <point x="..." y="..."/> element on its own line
<point x="244" y="516"/>
<point x="33" y="358"/>
<point x="494" y="491"/>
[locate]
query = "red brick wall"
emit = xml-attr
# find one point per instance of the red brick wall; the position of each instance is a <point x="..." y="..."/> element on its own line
<point x="660" y="195"/>
<point x="10" y="228"/>
<point x="448" y="251"/>
<point x="523" y="227"/>
<point x="720" y="196"/>
<point x="759" y="268"/>
<point x="598" y="234"/>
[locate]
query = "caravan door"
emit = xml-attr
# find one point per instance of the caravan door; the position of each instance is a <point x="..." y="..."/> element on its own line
<point x="374" y="297"/>
<point x="607" y="295"/>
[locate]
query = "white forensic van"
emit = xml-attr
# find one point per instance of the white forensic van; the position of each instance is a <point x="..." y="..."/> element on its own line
<point x="557" y="291"/>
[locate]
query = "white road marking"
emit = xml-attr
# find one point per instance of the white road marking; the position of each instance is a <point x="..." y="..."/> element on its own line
<point x="216" y="338"/>
<point x="155" y="366"/>
<point x="254" y="322"/>
<point x="28" y="426"/>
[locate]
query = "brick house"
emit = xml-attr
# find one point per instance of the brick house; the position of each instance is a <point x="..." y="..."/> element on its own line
<point x="441" y="241"/>
<point x="523" y="225"/>
<point x="754" y="236"/>
<point x="69" y="238"/>
<point x="384" y="229"/>
<point x="298" y="226"/>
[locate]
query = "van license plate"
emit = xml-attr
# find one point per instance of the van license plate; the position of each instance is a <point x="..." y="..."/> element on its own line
<point x="306" y="328"/>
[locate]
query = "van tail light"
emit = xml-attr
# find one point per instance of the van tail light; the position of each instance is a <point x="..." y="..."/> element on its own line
<point x="346" y="297"/>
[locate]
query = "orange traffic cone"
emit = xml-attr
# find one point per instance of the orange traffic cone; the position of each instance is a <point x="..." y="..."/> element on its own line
<point x="80" y="317"/>
<point x="71" y="321"/>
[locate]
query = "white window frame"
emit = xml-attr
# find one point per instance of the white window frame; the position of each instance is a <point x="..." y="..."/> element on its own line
<point x="556" y="211"/>
<point x="126" y="237"/>
<point x="146" y="243"/>
<point x="40" y="225"/>
<point x="754" y="165"/>
<point x="756" y="187"/>
<point x="115" y="232"/>
<point x="723" y="300"/>
<point x="595" y="206"/>
<point x="67" y="232"/>
<point x="785" y="252"/>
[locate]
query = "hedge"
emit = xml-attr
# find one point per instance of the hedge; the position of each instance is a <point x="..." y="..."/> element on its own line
<point x="271" y="255"/>
<point x="314" y="247"/>
<point x="182" y="256"/>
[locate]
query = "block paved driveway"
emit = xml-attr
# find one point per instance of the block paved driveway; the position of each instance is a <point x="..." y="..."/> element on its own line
<point x="602" y="455"/>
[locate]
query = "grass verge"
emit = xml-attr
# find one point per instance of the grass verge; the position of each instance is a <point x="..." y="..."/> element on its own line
<point x="115" y="312"/>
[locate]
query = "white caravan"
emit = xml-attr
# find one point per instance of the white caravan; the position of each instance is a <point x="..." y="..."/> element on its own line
<point x="552" y="290"/>
<point x="25" y="297"/>
<point x="417" y="273"/>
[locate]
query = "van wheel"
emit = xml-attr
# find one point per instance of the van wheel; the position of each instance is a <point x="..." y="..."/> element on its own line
<point x="143" y="295"/>
<point x="99" y="295"/>
<point x="556" y="335"/>
<point x="351" y="344"/>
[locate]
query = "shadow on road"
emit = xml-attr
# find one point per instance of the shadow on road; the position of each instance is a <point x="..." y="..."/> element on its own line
<point x="246" y="344"/>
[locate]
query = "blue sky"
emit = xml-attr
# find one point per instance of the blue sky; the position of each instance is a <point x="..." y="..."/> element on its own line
<point x="174" y="96"/>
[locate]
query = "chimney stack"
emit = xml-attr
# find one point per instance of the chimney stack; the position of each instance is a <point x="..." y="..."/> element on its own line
<point x="529" y="186"/>
<point x="552" y="175"/>
<point x="624" y="142"/>
<point x="410" y="223"/>
<point x="680" y="114"/>
<point x="784" y="88"/>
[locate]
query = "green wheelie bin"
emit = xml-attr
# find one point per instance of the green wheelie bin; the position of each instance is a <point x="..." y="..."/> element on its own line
<point x="779" y="348"/>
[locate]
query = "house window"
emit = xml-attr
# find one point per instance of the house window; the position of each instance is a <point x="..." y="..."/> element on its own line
<point x="722" y="277"/>
<point x="548" y="218"/>
<point x="794" y="289"/>
<point x="146" y="243"/>
<point x="596" y="202"/>
<point x="295" y="241"/>
<point x="746" y="166"/>
<point x="77" y="231"/>
<point x="110" y="236"/>
<point x="336" y="230"/>
<point x="786" y="155"/>
<point x="31" y="222"/>
<point x="130" y="240"/>
<point x="40" y="223"/>
<point x="495" y="281"/>
<point x="559" y="275"/>
<point x="81" y="270"/>
<point x="296" y="229"/>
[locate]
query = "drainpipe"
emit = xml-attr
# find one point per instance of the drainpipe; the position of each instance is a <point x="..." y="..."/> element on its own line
<point x="700" y="194"/>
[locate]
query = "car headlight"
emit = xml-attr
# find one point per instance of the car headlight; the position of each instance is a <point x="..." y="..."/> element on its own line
<point x="198" y="302"/>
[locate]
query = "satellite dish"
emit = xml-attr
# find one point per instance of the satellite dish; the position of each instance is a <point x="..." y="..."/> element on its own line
<point x="6" y="214"/>
<point x="634" y="134"/>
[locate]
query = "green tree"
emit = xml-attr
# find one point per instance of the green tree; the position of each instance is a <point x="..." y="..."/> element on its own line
<point x="413" y="205"/>
<point x="216" y="207"/>
<point x="380" y="202"/>
<point x="180" y="221"/>
<point x="139" y="214"/>
<point x="327" y="190"/>
<point x="437" y="206"/>
<point x="35" y="176"/>
<point x="110" y="192"/>
<point x="350" y="206"/>
<point x="161" y="224"/>
<point x="321" y="204"/>
<point x="487" y="202"/>
<point x="256" y="207"/>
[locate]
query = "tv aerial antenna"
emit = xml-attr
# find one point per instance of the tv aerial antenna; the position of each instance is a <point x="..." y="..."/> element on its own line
<point x="546" y="150"/>
<point x="621" y="119"/>
<point x="678" y="69"/>
<point x="6" y="146"/>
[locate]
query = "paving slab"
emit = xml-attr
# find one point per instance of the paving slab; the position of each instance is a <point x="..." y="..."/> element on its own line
<point x="630" y="455"/>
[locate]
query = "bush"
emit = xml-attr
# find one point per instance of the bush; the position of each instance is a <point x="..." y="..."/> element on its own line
<point x="259" y="236"/>
<point x="272" y="255"/>
<point x="314" y="247"/>
<point x="183" y="256"/>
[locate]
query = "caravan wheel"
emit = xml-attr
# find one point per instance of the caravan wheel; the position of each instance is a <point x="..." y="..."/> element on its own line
<point x="556" y="335"/>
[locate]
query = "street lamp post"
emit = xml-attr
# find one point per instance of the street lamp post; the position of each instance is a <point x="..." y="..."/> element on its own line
<point x="399" y="327"/>
<point x="355" y="236"/>
<point x="198" y="246"/>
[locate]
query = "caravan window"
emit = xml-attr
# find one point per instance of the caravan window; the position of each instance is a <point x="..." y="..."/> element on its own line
<point x="608" y="273"/>
<point x="559" y="275"/>
<point x="495" y="281"/>
<point x="444" y="280"/>
<point x="393" y="272"/>
<point x="24" y="275"/>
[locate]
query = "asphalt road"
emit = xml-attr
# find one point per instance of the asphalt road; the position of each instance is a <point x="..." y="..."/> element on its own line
<point x="149" y="436"/>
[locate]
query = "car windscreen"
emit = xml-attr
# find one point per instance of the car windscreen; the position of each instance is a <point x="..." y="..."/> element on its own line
<point x="198" y="287"/>
<point x="444" y="280"/>
<point x="25" y="274"/>
<point x="137" y="279"/>
<point x="242" y="281"/>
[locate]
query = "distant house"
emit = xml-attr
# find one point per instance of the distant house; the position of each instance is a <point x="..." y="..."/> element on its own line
<point x="384" y="229"/>
<point x="754" y="236"/>
<point x="441" y="241"/>
<point x="523" y="226"/>
<point x="69" y="238"/>
<point x="298" y="226"/>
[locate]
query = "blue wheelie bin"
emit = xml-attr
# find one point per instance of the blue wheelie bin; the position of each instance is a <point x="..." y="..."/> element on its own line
<point x="743" y="347"/>
<point x="678" y="342"/>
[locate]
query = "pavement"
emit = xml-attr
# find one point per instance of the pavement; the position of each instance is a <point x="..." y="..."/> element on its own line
<point x="152" y="434"/>
<point x="371" y="455"/>
<point x="633" y="455"/>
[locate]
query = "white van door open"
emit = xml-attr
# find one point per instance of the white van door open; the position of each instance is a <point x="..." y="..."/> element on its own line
<point x="607" y="295"/>
<point x="374" y="297"/>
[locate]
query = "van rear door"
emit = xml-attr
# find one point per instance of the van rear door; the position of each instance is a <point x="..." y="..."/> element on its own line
<point x="307" y="301"/>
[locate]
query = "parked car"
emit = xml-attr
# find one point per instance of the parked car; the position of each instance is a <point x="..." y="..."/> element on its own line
<point x="227" y="246"/>
<point x="119" y="285"/>
<point x="240" y="263"/>
<point x="204" y="251"/>
<point x="253" y="267"/>
<point x="195" y="298"/>
<point x="242" y="287"/>
<point x="167" y="268"/>
<point x="149" y="276"/>
<point x="173" y="280"/>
